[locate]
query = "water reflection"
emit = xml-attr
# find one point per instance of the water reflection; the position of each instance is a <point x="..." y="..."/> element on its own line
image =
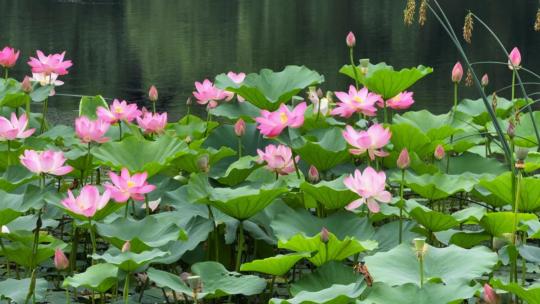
<point x="120" y="48"/>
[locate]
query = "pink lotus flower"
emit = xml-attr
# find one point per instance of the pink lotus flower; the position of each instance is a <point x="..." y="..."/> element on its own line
<point x="272" y="124"/>
<point x="91" y="130"/>
<point x="489" y="295"/>
<point x="401" y="101"/>
<point x="439" y="152"/>
<point x="404" y="160"/>
<point x="372" y="140"/>
<point x="152" y="123"/>
<point x="8" y="57"/>
<point x="370" y="186"/>
<point x="457" y="72"/>
<point x="236" y="78"/>
<point x="49" y="64"/>
<point x="153" y="94"/>
<point x="207" y="92"/>
<point x="514" y="59"/>
<point x="88" y="202"/>
<point x="49" y="162"/>
<point x="14" y="128"/>
<point x="128" y="186"/>
<point x="240" y="127"/>
<point x="119" y="111"/>
<point x="278" y="159"/>
<point x="361" y="101"/>
<point x="61" y="262"/>
<point x="350" y="40"/>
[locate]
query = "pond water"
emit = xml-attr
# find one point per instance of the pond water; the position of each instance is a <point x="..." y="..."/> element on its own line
<point x="120" y="48"/>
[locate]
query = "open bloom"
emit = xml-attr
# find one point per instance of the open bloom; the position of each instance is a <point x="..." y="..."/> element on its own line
<point x="49" y="64"/>
<point x="152" y="123"/>
<point x="14" y="128"/>
<point x="126" y="186"/>
<point x="88" y="202"/>
<point x="236" y="78"/>
<point x="50" y="162"/>
<point x="272" y="124"/>
<point x="207" y="92"/>
<point x="8" y="57"/>
<point x="91" y="130"/>
<point x="370" y="186"/>
<point x="514" y="59"/>
<point x="119" y="110"/>
<point x="278" y="159"/>
<point x="457" y="72"/>
<point x="361" y="101"/>
<point x="372" y="140"/>
<point x="401" y="101"/>
<point x="61" y="262"/>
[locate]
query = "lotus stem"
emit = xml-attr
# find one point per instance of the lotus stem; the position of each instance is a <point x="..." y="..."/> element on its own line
<point x="120" y="130"/>
<point x="272" y="282"/>
<point x="126" y="289"/>
<point x="153" y="107"/>
<point x="456" y="97"/>
<point x="74" y="246"/>
<point x="240" y="246"/>
<point x="523" y="264"/>
<point x="319" y="109"/>
<point x="126" y="211"/>
<point x="351" y="57"/>
<point x="421" y="263"/>
<point x="208" y="120"/>
<point x="401" y="206"/>
<point x="6" y="73"/>
<point x="9" y="152"/>
<point x="6" y="257"/>
<point x="147" y="204"/>
<point x="239" y="147"/>
<point x="67" y="291"/>
<point x="44" y="115"/>
<point x="27" y="108"/>
<point x="513" y="273"/>
<point x="92" y="238"/>
<point x="295" y="164"/>
<point x="33" y="263"/>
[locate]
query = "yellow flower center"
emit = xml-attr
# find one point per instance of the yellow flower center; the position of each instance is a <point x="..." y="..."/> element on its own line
<point x="358" y="99"/>
<point x="130" y="184"/>
<point x="283" y="117"/>
<point x="118" y="110"/>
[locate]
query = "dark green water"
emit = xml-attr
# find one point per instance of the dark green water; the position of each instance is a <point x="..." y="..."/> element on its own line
<point x="120" y="48"/>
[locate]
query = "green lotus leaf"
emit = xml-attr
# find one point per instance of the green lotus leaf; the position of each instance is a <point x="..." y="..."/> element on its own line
<point x="216" y="281"/>
<point x="436" y="127"/>
<point x="322" y="148"/>
<point x="236" y="172"/>
<point x="530" y="294"/>
<point x="525" y="135"/>
<point x="500" y="223"/>
<point x="19" y="250"/>
<point x="437" y="186"/>
<point x="529" y="196"/>
<point x="244" y="202"/>
<point x="477" y="110"/>
<point x="192" y="126"/>
<point x="481" y="194"/>
<point x="432" y="220"/>
<point x="268" y="89"/>
<point x="452" y="265"/>
<point x="464" y="239"/>
<point x="277" y="265"/>
<point x="332" y="194"/>
<point x="12" y="205"/>
<point x="532" y="162"/>
<point x="335" y="294"/>
<point x="236" y="110"/>
<point x="333" y="250"/>
<point x="323" y="277"/>
<point x="150" y="156"/>
<point x="387" y="235"/>
<point x="384" y="80"/>
<point x="473" y="164"/>
<point x="16" y="176"/>
<point x="410" y="137"/>
<point x="188" y="161"/>
<point x="410" y="293"/>
<point x="533" y="228"/>
<point x="17" y="290"/>
<point x="99" y="278"/>
<point x="470" y="215"/>
<point x="145" y="234"/>
<point x="11" y="94"/>
<point x="130" y="261"/>
<point x="89" y="104"/>
<point x="224" y="136"/>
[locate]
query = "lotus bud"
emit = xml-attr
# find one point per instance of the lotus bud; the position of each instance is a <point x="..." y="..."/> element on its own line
<point x="319" y="93"/>
<point x="313" y="174"/>
<point x="457" y="72"/>
<point x="126" y="247"/>
<point x="468" y="27"/>
<point x="61" y="262"/>
<point x="364" y="64"/>
<point x="490" y="297"/>
<point x="404" y="160"/>
<point x="188" y="101"/>
<point x="4" y="229"/>
<point x="350" y="40"/>
<point x="240" y="127"/>
<point x="485" y="80"/>
<point x="439" y="152"/>
<point x="203" y="163"/>
<point x="420" y="247"/>
<point x="514" y="59"/>
<point x="511" y="130"/>
<point x="324" y="235"/>
<point x="153" y="94"/>
<point x="26" y="85"/>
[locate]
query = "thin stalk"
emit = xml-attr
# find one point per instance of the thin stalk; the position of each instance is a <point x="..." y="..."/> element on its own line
<point x="401" y="186"/>
<point x="514" y="228"/>
<point x="239" y="147"/>
<point x="147" y="204"/>
<point x="208" y="120"/>
<point x="421" y="263"/>
<point x="523" y="264"/>
<point x="120" y="129"/>
<point x="456" y="98"/>
<point x="351" y="57"/>
<point x="319" y="109"/>
<point x="92" y="238"/>
<point x="240" y="246"/>
<point x="126" y="289"/>
<point x="126" y="211"/>
<point x="44" y="115"/>
<point x="68" y="300"/>
<point x="74" y="246"/>
<point x="154" y="107"/>
<point x="295" y="164"/>
<point x="6" y="73"/>
<point x="513" y="85"/>
<point x="27" y="108"/>
<point x="9" y="152"/>
<point x="272" y="282"/>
